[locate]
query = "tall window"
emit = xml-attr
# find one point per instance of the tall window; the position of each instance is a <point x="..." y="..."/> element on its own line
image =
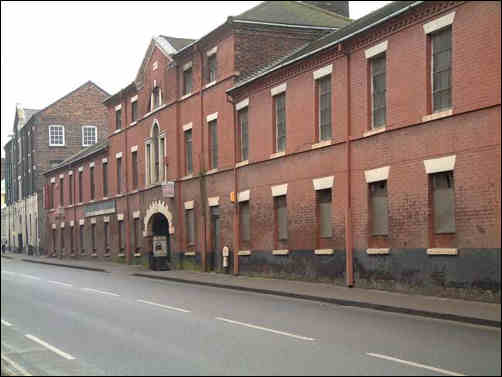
<point x="80" y="185"/>
<point x="70" y="188"/>
<point x="244" y="219"/>
<point x="324" y="210"/>
<point x="89" y="135"/>
<point x="135" y="170"/>
<point x="51" y="195"/>
<point x="134" y="111"/>
<point x="211" y="69"/>
<point x="187" y="81"/>
<point x="119" y="175"/>
<point x="155" y="140"/>
<point x="61" y="192"/>
<point x="281" y="217"/>
<point x="54" y="240"/>
<point x="379" y="89"/>
<point x="81" y="234"/>
<point x="443" y="197"/>
<point x="118" y="119"/>
<point x="121" y="230"/>
<point x="379" y="208"/>
<point x="441" y="69"/>
<point x="280" y="122"/>
<point x="148" y="164"/>
<point x="213" y="143"/>
<point x="93" y="237"/>
<point x="91" y="181"/>
<point x="243" y="133"/>
<point x="136" y="228"/>
<point x="162" y="147"/>
<point x="188" y="152"/>
<point x="106" y="236"/>
<point x="190" y="226"/>
<point x="156" y="97"/>
<point x="324" y="103"/>
<point x="105" y="179"/>
<point x="56" y="136"/>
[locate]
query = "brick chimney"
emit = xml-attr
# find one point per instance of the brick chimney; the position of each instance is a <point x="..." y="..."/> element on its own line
<point x="340" y="7"/>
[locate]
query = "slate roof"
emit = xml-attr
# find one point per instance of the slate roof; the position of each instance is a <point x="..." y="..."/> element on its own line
<point x="293" y="13"/>
<point x="28" y="113"/>
<point x="330" y="39"/>
<point x="95" y="148"/>
<point x="178" y="43"/>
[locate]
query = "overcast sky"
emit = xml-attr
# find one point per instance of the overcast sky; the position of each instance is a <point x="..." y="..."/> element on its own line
<point x="51" y="48"/>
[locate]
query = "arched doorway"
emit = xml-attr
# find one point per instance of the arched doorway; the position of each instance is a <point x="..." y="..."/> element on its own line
<point x="160" y="230"/>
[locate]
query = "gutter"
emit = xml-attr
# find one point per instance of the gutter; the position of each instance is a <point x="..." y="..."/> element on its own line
<point x="328" y="45"/>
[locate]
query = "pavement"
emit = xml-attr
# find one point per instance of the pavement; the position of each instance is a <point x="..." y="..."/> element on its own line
<point x="480" y="313"/>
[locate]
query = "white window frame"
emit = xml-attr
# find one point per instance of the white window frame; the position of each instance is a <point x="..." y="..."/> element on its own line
<point x="95" y="134"/>
<point x="54" y="126"/>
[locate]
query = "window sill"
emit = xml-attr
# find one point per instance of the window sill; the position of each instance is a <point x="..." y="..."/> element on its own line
<point x="321" y="144"/>
<point x="187" y="177"/>
<point x="324" y="252"/>
<point x="190" y="254"/>
<point x="212" y="83"/>
<point x="186" y="96"/>
<point x="53" y="146"/>
<point x="242" y="163"/>
<point x="442" y="251"/>
<point x="280" y="252"/>
<point x="438" y="115"/>
<point x="121" y="255"/>
<point x="277" y="155"/>
<point x="212" y="171"/>
<point x="133" y="123"/>
<point x="375" y="131"/>
<point x="244" y="253"/>
<point x="137" y="254"/>
<point x="118" y="131"/>
<point x="377" y="251"/>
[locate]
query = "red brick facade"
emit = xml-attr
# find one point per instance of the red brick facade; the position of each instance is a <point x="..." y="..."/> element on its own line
<point x="470" y="132"/>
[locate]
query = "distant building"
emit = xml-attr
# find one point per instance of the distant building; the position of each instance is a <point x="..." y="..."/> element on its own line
<point x="41" y="140"/>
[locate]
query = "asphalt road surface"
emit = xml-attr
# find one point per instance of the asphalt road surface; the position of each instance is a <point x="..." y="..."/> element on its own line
<point x="59" y="321"/>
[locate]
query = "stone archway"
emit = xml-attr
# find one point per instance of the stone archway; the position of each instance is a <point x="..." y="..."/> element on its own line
<point x="157" y="207"/>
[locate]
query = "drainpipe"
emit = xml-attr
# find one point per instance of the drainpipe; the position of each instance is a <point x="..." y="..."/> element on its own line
<point x="349" y="275"/>
<point x="236" y="236"/>
<point x="202" y="182"/>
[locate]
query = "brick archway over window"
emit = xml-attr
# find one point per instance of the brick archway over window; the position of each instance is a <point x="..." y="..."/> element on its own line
<point x="157" y="207"/>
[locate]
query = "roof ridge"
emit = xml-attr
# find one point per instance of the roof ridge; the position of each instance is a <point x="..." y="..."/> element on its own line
<point x="253" y="8"/>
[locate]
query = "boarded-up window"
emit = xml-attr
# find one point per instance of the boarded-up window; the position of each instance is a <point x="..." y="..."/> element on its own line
<point x="245" y="223"/>
<point x="443" y="196"/>
<point x="190" y="225"/>
<point x="379" y="89"/>
<point x="379" y="208"/>
<point x="91" y="170"/>
<point x="441" y="69"/>
<point x="281" y="208"/>
<point x="243" y="130"/>
<point x="105" y="179"/>
<point x="280" y="122"/>
<point x="188" y="152"/>
<point x="324" y="101"/>
<point x="213" y="140"/>
<point x="324" y="203"/>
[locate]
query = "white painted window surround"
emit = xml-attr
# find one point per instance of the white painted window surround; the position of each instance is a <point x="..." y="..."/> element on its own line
<point x="377" y="175"/>
<point x="118" y="107"/>
<point x="89" y="135"/>
<point x="118" y="155"/>
<point x="243" y="104"/>
<point x="56" y="135"/>
<point x="187" y="66"/>
<point x="134" y="148"/>
<point x="188" y="126"/>
<point x="323" y="183"/>
<point x="214" y="202"/>
<point x="213" y="51"/>
<point x="323" y="72"/>
<point x="440" y="165"/>
<point x="212" y="117"/>
<point x="439" y="23"/>
<point x="279" y="190"/>
<point x="243" y="196"/>
<point x="376" y="50"/>
<point x="189" y="205"/>
<point x="279" y="89"/>
<point x="134" y="99"/>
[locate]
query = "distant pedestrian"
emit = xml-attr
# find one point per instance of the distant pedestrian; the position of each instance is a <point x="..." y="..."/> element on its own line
<point x="3" y="248"/>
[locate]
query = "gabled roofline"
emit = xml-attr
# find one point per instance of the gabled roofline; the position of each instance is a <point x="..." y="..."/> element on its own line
<point x="285" y="25"/>
<point x="331" y="44"/>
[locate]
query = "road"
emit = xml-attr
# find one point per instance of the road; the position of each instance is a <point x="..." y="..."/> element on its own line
<point x="59" y="321"/>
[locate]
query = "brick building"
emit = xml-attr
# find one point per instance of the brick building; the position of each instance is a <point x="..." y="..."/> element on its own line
<point x="369" y="155"/>
<point x="41" y="140"/>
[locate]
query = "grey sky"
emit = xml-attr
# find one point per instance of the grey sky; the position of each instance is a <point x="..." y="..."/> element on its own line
<point x="50" y="48"/>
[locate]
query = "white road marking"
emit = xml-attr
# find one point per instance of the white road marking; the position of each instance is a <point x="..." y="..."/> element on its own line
<point x="444" y="371"/>
<point x="52" y="348"/>
<point x="265" y="329"/>
<point x="30" y="276"/>
<point x="164" y="306"/>
<point x="102" y="292"/>
<point x="16" y="366"/>
<point x="5" y="323"/>
<point x="59" y="283"/>
<point x="8" y="272"/>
